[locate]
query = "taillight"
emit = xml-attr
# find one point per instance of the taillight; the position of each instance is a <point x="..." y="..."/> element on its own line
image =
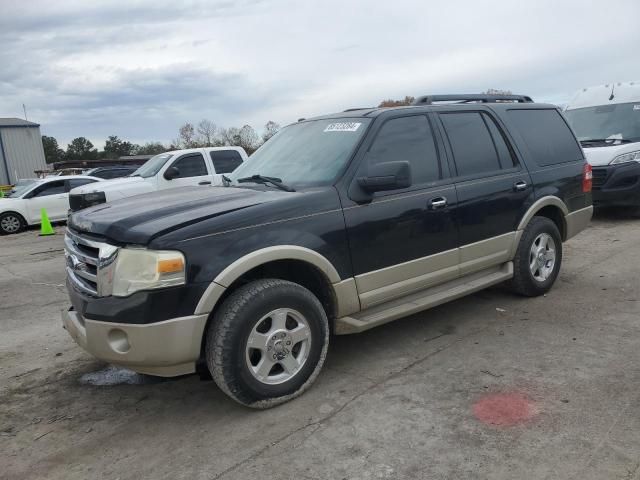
<point x="587" y="178"/>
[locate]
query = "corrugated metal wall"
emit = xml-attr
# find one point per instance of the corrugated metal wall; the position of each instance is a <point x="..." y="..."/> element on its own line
<point x="23" y="153"/>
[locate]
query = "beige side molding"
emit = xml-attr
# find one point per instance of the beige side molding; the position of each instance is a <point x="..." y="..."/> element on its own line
<point x="254" y="259"/>
<point x="539" y="205"/>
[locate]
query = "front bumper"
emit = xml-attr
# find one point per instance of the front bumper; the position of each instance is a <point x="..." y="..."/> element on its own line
<point x="167" y="349"/>
<point x="617" y="185"/>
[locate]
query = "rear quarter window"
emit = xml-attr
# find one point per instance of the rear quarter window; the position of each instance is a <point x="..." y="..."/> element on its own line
<point x="546" y="135"/>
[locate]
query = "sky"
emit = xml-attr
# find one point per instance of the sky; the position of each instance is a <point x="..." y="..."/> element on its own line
<point x="139" y="69"/>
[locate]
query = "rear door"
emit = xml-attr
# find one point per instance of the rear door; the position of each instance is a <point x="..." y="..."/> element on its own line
<point x="51" y="196"/>
<point x="403" y="241"/>
<point x="491" y="183"/>
<point x="193" y="170"/>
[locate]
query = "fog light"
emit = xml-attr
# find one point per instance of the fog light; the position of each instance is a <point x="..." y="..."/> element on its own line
<point x="118" y="340"/>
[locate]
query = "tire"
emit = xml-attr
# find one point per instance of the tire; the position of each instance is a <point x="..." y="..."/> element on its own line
<point x="267" y="313"/>
<point x="534" y="275"/>
<point x="11" y="222"/>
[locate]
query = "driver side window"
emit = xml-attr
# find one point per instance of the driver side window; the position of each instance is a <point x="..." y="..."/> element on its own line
<point x="51" y="188"/>
<point x="191" y="166"/>
<point x="408" y="139"/>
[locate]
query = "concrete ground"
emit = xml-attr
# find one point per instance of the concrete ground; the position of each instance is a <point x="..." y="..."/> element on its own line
<point x="490" y="386"/>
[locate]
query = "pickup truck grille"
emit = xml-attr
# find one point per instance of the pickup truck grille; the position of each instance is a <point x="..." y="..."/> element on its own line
<point x="599" y="177"/>
<point x="89" y="264"/>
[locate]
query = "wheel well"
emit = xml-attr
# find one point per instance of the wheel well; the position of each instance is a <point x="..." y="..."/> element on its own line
<point x="297" y="271"/>
<point x="556" y="216"/>
<point x="24" y="220"/>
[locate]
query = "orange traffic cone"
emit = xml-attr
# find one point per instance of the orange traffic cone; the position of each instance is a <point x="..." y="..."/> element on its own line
<point x="45" y="224"/>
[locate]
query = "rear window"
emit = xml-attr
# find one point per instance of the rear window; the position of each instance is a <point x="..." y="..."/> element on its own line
<point x="546" y="135"/>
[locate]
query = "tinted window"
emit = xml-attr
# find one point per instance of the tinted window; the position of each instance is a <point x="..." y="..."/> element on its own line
<point x="504" y="153"/>
<point x="473" y="148"/>
<point x="408" y="139"/>
<point x="191" y="166"/>
<point x="547" y="136"/>
<point x="77" y="182"/>
<point x="225" y="161"/>
<point x="50" y="188"/>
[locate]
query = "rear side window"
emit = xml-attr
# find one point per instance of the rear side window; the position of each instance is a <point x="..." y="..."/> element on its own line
<point x="225" y="161"/>
<point x="191" y="166"/>
<point x="473" y="146"/>
<point x="408" y="139"/>
<point x="546" y="135"/>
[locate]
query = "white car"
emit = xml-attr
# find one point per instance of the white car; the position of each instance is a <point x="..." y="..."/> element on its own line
<point x="179" y="168"/>
<point x="22" y="206"/>
<point x="606" y="120"/>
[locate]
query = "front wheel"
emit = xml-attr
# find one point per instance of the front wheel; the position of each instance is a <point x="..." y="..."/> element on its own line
<point x="267" y="343"/>
<point x="11" y="222"/>
<point x="538" y="258"/>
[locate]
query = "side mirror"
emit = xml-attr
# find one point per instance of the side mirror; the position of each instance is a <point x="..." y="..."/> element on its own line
<point x="386" y="176"/>
<point x="171" y="173"/>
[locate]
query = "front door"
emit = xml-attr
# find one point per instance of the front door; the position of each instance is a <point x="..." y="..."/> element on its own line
<point x="405" y="240"/>
<point x="52" y="197"/>
<point x="192" y="170"/>
<point x="492" y="188"/>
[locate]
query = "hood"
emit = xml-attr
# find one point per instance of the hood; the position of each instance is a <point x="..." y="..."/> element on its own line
<point x="8" y="203"/>
<point x="138" y="220"/>
<point x="599" y="156"/>
<point x="116" y="188"/>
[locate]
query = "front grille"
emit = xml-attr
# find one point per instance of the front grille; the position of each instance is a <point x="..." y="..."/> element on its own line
<point x="599" y="177"/>
<point x="89" y="264"/>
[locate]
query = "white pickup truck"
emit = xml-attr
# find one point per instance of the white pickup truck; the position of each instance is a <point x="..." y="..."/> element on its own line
<point x="179" y="168"/>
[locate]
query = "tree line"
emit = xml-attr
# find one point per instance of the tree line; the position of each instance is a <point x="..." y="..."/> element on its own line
<point x="205" y="134"/>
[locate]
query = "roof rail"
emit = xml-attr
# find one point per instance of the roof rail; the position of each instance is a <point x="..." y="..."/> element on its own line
<point x="463" y="98"/>
<point x="358" y="108"/>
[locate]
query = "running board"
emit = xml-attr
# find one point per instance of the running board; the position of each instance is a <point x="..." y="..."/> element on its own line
<point x="423" y="300"/>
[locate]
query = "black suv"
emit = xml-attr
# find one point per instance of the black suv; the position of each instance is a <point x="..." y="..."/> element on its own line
<point x="336" y="225"/>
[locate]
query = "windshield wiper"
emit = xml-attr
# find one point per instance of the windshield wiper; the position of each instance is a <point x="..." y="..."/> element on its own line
<point x="277" y="182"/>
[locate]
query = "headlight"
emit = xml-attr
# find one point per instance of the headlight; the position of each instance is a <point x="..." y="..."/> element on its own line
<point x="626" y="158"/>
<point x="139" y="269"/>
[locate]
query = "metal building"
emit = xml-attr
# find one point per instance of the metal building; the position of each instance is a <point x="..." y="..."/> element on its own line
<point x="21" y="150"/>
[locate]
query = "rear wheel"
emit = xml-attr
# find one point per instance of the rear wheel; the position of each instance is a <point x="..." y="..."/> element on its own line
<point x="267" y="343"/>
<point x="11" y="222"/>
<point x="538" y="258"/>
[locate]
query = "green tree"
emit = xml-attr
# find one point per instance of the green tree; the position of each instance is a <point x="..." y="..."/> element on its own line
<point x="115" y="147"/>
<point x="149" y="148"/>
<point x="81" y="149"/>
<point x="52" y="152"/>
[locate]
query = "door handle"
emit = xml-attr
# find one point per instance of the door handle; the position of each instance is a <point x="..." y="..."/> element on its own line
<point x="204" y="183"/>
<point x="438" y="202"/>
<point x="520" y="186"/>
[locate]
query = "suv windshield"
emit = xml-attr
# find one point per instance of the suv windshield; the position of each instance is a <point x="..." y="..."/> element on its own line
<point x="606" y="122"/>
<point x="21" y="188"/>
<point x="308" y="153"/>
<point x="152" y="166"/>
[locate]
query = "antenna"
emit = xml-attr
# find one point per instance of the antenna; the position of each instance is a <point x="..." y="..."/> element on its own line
<point x="24" y="109"/>
<point x="612" y="95"/>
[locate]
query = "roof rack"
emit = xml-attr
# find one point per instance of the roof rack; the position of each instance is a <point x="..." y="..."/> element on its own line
<point x="358" y="108"/>
<point x="480" y="98"/>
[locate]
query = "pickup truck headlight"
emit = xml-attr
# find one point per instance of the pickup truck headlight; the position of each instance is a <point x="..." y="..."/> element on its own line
<point x="139" y="269"/>
<point x="626" y="158"/>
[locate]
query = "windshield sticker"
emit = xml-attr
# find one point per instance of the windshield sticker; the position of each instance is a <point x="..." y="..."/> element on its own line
<point x="636" y="107"/>
<point x="343" y="127"/>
